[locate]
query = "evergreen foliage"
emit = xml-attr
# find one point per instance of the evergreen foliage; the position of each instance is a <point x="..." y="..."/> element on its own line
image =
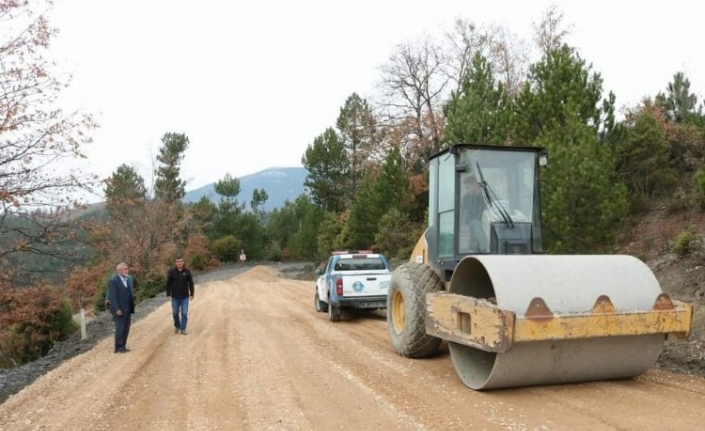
<point x="327" y="163"/>
<point x="396" y="236"/>
<point x="168" y="185"/>
<point x="560" y="109"/>
<point x="481" y="112"/>
<point x="644" y="157"/>
<point x="583" y="202"/>
<point x="678" y="102"/>
<point x="356" y="125"/>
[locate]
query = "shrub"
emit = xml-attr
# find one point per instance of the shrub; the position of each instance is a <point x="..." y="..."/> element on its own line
<point x="699" y="180"/>
<point x="275" y="252"/>
<point x="198" y="261"/>
<point x="33" y="319"/>
<point x="153" y="285"/>
<point x="226" y="249"/>
<point x="686" y="242"/>
<point x="100" y="291"/>
<point x="680" y="202"/>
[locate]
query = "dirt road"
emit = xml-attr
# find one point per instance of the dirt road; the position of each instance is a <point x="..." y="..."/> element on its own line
<point x="258" y="357"/>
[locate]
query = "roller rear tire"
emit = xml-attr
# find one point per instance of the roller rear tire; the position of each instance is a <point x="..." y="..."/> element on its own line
<point x="406" y="310"/>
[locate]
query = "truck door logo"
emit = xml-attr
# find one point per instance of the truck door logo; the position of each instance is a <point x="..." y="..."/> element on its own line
<point x="358" y="286"/>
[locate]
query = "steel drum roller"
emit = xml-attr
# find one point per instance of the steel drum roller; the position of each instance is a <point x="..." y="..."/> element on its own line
<point x="567" y="285"/>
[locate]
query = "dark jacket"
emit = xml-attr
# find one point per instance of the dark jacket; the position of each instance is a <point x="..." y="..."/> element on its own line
<point x="121" y="298"/>
<point x="179" y="284"/>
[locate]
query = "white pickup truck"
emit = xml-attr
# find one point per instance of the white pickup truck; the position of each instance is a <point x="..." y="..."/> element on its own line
<point x="352" y="279"/>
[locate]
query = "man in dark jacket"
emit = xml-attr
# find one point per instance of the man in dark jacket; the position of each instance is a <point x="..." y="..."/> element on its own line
<point x="179" y="289"/>
<point x="121" y="296"/>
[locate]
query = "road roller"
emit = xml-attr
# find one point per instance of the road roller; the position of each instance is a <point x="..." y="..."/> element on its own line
<point x="512" y="314"/>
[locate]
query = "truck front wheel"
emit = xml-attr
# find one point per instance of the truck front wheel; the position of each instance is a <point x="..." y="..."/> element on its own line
<point x="406" y="310"/>
<point x="321" y="306"/>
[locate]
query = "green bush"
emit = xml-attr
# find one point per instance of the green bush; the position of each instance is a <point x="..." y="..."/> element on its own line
<point x="678" y="203"/>
<point x="61" y="323"/>
<point x="275" y="252"/>
<point x="151" y="287"/>
<point x="699" y="180"/>
<point x="100" y="291"/>
<point x="27" y="341"/>
<point x="226" y="249"/>
<point x="686" y="242"/>
<point x="198" y="261"/>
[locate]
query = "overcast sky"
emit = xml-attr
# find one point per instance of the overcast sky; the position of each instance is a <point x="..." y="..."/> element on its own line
<point x="253" y="82"/>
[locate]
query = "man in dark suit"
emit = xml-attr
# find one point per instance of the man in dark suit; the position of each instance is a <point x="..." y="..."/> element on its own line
<point x="121" y="295"/>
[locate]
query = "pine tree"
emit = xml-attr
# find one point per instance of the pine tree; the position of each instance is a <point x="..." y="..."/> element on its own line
<point x="561" y="87"/>
<point x="678" y="101"/>
<point x="561" y="109"/>
<point x="124" y="190"/>
<point x="643" y="158"/>
<point x="168" y="186"/>
<point x="356" y="126"/>
<point x="327" y="165"/>
<point x="480" y="113"/>
<point x="584" y="202"/>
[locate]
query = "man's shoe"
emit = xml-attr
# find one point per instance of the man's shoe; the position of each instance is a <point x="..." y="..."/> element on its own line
<point x="176" y="330"/>
<point x="184" y="332"/>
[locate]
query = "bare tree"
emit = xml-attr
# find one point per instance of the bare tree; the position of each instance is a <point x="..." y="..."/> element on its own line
<point x="37" y="138"/>
<point x="465" y="40"/>
<point x="505" y="51"/>
<point x="509" y="56"/>
<point x="550" y="33"/>
<point x="413" y="87"/>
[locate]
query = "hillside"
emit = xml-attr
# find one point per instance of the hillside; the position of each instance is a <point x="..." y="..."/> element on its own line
<point x="682" y="276"/>
<point x="281" y="184"/>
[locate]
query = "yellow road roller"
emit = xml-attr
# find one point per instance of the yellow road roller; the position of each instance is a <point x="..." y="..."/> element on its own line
<point x="512" y="314"/>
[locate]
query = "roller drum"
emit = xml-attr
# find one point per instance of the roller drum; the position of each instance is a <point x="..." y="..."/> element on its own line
<point x="567" y="284"/>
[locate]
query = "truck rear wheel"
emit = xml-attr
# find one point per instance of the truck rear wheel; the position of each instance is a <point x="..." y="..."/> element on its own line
<point x="333" y="313"/>
<point x="406" y="310"/>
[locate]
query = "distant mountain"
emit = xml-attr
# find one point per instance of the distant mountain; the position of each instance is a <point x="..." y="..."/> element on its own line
<point x="281" y="184"/>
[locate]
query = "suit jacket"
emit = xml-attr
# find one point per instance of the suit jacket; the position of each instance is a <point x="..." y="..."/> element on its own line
<point x="121" y="298"/>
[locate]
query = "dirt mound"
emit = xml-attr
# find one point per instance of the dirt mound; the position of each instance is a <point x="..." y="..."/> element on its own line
<point x="263" y="274"/>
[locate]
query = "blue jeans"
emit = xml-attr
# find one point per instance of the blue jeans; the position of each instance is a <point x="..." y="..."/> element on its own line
<point x="180" y="320"/>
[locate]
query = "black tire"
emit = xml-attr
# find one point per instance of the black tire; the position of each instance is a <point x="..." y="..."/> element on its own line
<point x="333" y="313"/>
<point x="321" y="306"/>
<point x="406" y="310"/>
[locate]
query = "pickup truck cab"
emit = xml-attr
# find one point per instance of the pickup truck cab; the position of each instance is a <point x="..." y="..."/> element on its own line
<point x="352" y="279"/>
